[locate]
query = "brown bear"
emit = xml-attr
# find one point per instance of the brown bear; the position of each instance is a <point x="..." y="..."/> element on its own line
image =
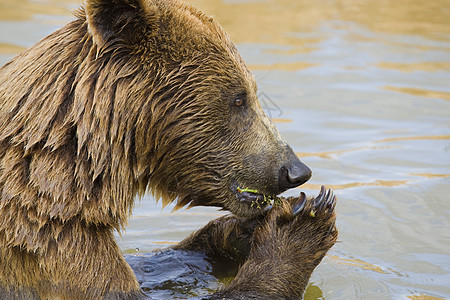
<point x="136" y="95"/>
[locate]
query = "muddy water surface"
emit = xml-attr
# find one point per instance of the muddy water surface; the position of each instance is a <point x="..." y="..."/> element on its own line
<point x="361" y="90"/>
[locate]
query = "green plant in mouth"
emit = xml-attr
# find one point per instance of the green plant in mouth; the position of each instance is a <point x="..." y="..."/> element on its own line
<point x="273" y="200"/>
<point x="247" y="190"/>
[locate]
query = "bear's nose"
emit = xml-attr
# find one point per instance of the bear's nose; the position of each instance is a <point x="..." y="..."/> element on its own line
<point x="293" y="175"/>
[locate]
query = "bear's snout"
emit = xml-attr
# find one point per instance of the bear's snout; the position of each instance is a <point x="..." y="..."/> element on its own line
<point x="293" y="174"/>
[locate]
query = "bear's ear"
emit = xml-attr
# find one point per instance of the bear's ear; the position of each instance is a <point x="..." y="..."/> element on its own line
<point x="125" y="20"/>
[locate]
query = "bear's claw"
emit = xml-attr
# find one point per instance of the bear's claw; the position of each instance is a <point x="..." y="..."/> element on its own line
<point x="298" y="207"/>
<point x="325" y="200"/>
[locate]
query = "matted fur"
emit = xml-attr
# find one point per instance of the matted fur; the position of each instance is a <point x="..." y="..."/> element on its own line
<point x="132" y="95"/>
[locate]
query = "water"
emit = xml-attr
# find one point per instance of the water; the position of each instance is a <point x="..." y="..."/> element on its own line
<point x="361" y="90"/>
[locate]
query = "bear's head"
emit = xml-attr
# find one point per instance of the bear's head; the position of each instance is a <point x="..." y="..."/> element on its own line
<point x="194" y="129"/>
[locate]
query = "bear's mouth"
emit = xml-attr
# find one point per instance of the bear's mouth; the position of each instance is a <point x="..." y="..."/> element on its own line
<point x="254" y="198"/>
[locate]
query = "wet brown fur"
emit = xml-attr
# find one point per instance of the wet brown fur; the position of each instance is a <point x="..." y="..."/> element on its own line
<point x="131" y="95"/>
<point x="285" y="249"/>
<point x="277" y="252"/>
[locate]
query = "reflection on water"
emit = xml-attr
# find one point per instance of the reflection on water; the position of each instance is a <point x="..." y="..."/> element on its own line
<point x="430" y="175"/>
<point x="386" y="183"/>
<point x="295" y="66"/>
<point x="281" y="120"/>
<point x="419" y="66"/>
<point x="280" y="21"/>
<point x="406" y="138"/>
<point x="423" y="297"/>
<point x="363" y="90"/>
<point x="421" y="92"/>
<point x="22" y="10"/>
<point x="356" y="263"/>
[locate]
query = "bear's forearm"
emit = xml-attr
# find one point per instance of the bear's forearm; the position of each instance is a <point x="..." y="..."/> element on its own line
<point x="263" y="275"/>
<point x="286" y="248"/>
<point x="269" y="278"/>
<point x="228" y="236"/>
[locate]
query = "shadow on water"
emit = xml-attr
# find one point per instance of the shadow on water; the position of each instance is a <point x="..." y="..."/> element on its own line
<point x="170" y="274"/>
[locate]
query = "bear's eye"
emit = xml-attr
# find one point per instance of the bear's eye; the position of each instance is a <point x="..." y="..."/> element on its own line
<point x="238" y="102"/>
